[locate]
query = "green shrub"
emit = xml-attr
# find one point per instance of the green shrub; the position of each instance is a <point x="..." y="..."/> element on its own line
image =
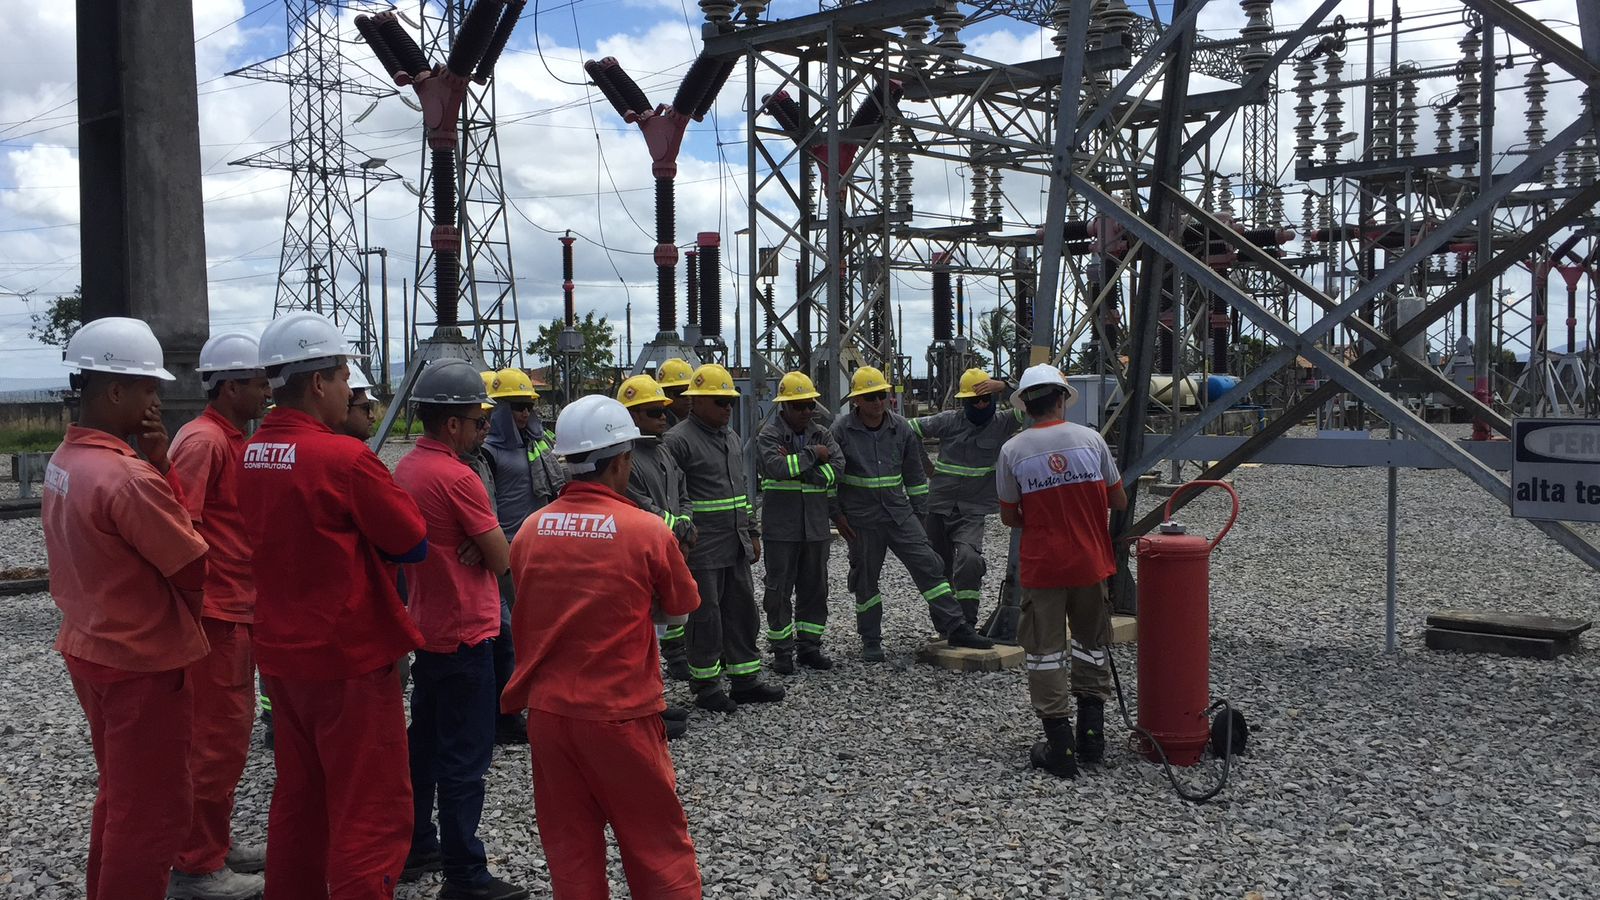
<point x="29" y="440"/>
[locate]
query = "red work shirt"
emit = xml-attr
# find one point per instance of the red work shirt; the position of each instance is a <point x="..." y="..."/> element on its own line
<point x="452" y="604"/>
<point x="319" y="507"/>
<point x="1061" y="476"/>
<point x="205" y="456"/>
<point x="115" y="531"/>
<point x="587" y="568"/>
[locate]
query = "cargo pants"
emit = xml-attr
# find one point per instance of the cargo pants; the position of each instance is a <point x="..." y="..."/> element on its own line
<point x="1047" y="615"/>
<point x="796" y="595"/>
<point x="721" y="633"/>
<point x="910" y="545"/>
<point x="958" y="539"/>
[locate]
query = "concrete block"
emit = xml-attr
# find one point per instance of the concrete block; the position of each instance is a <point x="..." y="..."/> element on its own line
<point x="961" y="659"/>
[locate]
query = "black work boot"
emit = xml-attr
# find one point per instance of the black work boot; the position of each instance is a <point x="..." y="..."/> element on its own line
<point x="783" y="662"/>
<point x="872" y="651"/>
<point x="964" y="636"/>
<point x="759" y="692"/>
<point x="1091" y="729"/>
<point x="678" y="669"/>
<point x="675" y="728"/>
<point x="1054" y="754"/>
<point x="814" y="658"/>
<point x="715" y="701"/>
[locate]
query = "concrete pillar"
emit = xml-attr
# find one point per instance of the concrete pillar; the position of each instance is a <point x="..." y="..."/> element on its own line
<point x="143" y="227"/>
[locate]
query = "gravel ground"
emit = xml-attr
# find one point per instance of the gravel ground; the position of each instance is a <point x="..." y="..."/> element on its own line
<point x="1416" y="774"/>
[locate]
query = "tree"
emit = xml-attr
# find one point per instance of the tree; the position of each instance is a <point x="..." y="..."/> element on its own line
<point x="591" y="365"/>
<point x="996" y="335"/>
<point x="59" y="321"/>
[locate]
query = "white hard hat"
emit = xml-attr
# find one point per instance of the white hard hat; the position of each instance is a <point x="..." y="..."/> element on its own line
<point x="232" y="354"/>
<point x="1042" y="375"/>
<point x="117" y="344"/>
<point x="358" y="379"/>
<point x="302" y="342"/>
<point x="593" y="425"/>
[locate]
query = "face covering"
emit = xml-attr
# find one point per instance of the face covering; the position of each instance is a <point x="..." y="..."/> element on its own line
<point x="980" y="415"/>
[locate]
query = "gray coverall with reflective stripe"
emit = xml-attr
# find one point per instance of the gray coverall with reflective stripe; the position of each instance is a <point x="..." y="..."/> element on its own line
<point x="656" y="485"/>
<point x="721" y="634"/>
<point x="796" y="493"/>
<point x="961" y="494"/>
<point x="883" y="494"/>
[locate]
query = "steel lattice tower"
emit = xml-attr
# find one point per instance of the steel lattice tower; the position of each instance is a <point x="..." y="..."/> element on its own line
<point x="488" y="282"/>
<point x="321" y="265"/>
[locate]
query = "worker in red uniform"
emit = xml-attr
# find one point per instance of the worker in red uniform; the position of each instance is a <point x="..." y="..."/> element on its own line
<point x="363" y="413"/>
<point x="589" y="568"/>
<point x="326" y="521"/>
<point x="455" y="601"/>
<point x="127" y="569"/>
<point x="1057" y="482"/>
<point x="206" y="454"/>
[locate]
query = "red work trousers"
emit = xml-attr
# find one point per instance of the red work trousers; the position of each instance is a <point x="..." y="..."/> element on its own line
<point x="587" y="774"/>
<point x="140" y="729"/>
<point x="224" y="711"/>
<point x="340" y="824"/>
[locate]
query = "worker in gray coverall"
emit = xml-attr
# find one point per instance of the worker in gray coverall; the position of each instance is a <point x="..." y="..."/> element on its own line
<point x="961" y="492"/>
<point x="799" y="461"/>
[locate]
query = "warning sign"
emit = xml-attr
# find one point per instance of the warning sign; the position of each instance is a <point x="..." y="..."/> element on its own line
<point x="1555" y="469"/>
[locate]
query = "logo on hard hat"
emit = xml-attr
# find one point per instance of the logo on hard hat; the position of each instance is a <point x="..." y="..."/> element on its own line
<point x="1058" y="463"/>
<point x="495" y="384"/>
<point x="109" y="356"/>
<point x="629" y="392"/>
<point x="306" y="343"/>
<point x="699" y="380"/>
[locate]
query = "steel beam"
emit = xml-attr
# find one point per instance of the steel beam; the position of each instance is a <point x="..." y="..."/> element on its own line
<point x="817" y="28"/>
<point x="1169" y="37"/>
<point x="1537" y="35"/>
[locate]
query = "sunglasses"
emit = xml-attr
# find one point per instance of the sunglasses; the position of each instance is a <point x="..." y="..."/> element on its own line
<point x="479" y="422"/>
<point x="980" y="400"/>
<point x="522" y="407"/>
<point x="879" y="397"/>
<point x="724" y="402"/>
<point x="802" y="404"/>
<point x="655" y="412"/>
<point x="365" y="406"/>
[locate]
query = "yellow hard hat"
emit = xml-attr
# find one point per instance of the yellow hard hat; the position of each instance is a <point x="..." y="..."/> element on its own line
<point x="711" y="380"/>
<point x="512" y="383"/>
<point x="488" y="386"/>
<point x="796" y="386"/>
<point x="674" y="373"/>
<point x="970" y="379"/>
<point x="867" y="380"/>
<point x="640" y="389"/>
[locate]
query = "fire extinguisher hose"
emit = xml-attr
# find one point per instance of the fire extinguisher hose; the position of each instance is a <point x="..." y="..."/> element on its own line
<point x="1182" y="790"/>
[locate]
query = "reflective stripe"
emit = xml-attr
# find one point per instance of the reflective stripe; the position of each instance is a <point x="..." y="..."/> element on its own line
<point x="793" y="460"/>
<point x="727" y="505"/>
<point x="828" y="474"/>
<point x="1044" y="661"/>
<point x="674" y="632"/>
<point x="781" y="634"/>
<point x="880" y="481"/>
<point x="969" y="595"/>
<point x="917" y="490"/>
<point x="833" y="492"/>
<point x="809" y="627"/>
<point x="266" y="703"/>
<point x="917" y="427"/>
<point x="863" y="607"/>
<point x="945" y="468"/>
<point x="937" y="591"/>
<point x="1096" y="658"/>
<point x="791" y="486"/>
<point x="706" y="674"/>
<point x="673" y="520"/>
<point x="745" y="668"/>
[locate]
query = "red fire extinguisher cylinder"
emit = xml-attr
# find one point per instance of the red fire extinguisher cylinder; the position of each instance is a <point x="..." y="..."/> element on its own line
<point x="1175" y="635"/>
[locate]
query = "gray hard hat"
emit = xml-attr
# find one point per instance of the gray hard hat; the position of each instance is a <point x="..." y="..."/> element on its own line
<point x="452" y="381"/>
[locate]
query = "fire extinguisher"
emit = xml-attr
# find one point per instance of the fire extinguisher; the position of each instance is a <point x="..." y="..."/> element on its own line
<point x="1175" y="706"/>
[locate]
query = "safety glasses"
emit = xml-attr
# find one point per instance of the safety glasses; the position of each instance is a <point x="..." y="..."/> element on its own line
<point x="878" y="397"/>
<point x="479" y="422"/>
<point x="724" y="402"/>
<point x="365" y="406"/>
<point x="802" y="404"/>
<point x="522" y="407"/>
<point x="655" y="412"/>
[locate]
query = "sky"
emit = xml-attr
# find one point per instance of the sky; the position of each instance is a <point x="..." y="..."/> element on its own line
<point x="569" y="162"/>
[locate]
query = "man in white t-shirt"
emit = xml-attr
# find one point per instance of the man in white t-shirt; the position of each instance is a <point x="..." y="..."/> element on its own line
<point x="1057" y="482"/>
